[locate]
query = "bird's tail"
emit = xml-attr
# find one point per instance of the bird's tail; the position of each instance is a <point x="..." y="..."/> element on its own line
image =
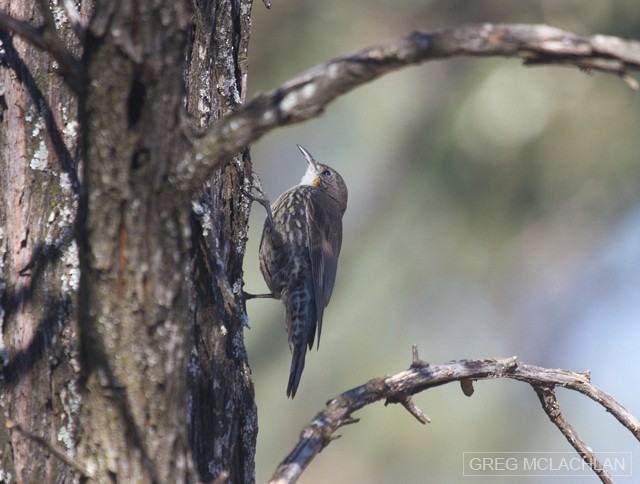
<point x="297" y="365"/>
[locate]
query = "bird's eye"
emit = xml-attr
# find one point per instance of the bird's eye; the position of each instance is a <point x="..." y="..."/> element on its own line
<point x="326" y="173"/>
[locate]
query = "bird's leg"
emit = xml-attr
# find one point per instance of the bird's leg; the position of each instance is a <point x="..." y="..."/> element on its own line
<point x="259" y="196"/>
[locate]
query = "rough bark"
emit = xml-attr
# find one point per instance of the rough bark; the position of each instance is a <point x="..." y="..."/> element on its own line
<point x="111" y="392"/>
<point x="133" y="236"/>
<point x="222" y="411"/>
<point x="38" y="260"/>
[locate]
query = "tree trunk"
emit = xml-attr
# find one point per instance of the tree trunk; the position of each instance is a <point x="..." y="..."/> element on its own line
<point x="223" y="415"/>
<point x="150" y="383"/>
<point x="133" y="238"/>
<point x="38" y="260"/>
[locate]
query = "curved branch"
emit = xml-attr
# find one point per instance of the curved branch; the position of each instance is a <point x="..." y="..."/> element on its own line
<point x="307" y="95"/>
<point x="422" y="376"/>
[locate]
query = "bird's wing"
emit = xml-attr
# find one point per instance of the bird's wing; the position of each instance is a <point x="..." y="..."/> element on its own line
<point x="324" y="238"/>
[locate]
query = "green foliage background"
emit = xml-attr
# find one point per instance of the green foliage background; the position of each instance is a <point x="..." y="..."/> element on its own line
<point x="494" y="211"/>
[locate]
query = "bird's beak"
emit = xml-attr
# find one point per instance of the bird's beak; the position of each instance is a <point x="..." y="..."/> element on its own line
<point x="313" y="163"/>
<point x="311" y="176"/>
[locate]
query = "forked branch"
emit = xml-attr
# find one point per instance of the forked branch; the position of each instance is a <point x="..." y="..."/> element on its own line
<point x="421" y="376"/>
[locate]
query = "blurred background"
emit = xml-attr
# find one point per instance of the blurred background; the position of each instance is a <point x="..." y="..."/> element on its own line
<point x="494" y="210"/>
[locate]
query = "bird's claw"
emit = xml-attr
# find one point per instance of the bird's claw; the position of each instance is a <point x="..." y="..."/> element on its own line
<point x="257" y="194"/>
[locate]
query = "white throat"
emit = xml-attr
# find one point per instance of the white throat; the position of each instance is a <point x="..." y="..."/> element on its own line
<point x="309" y="177"/>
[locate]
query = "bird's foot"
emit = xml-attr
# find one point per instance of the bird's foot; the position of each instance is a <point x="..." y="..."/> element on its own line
<point x="257" y="194"/>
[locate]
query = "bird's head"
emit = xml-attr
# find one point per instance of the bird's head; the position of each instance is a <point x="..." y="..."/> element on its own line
<point x="324" y="178"/>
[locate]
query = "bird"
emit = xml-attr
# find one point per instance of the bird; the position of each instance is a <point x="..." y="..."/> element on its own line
<point x="299" y="249"/>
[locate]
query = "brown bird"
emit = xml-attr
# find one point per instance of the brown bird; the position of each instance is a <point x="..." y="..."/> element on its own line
<point x="299" y="251"/>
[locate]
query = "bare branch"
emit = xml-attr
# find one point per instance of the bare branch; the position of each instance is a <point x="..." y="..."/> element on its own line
<point x="399" y="388"/>
<point x="47" y="39"/>
<point x="307" y="95"/>
<point x="552" y="408"/>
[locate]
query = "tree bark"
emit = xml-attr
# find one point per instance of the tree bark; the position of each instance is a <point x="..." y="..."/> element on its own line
<point x="38" y="259"/>
<point x="132" y="237"/>
<point x="111" y="387"/>
<point x="222" y="411"/>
